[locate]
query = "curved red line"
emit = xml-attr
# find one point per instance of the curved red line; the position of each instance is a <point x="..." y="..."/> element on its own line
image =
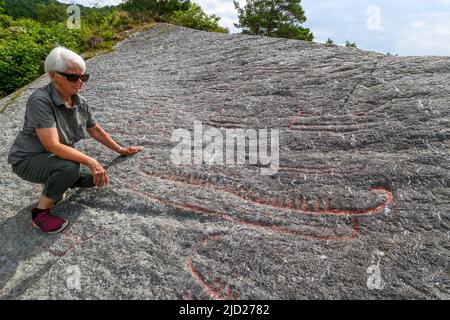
<point x="275" y="202"/>
<point x="215" y="294"/>
<point x="265" y="226"/>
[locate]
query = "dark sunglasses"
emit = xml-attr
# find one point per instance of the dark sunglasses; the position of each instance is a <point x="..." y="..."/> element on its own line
<point x="74" y="77"/>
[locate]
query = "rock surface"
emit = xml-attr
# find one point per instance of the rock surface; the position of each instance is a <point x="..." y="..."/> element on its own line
<point x="358" y="209"/>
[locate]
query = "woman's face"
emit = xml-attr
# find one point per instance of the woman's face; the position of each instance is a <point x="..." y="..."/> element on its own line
<point x="66" y="87"/>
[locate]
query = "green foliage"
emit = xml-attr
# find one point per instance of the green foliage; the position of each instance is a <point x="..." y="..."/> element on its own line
<point x="154" y="9"/>
<point x="35" y="8"/>
<point x="24" y="8"/>
<point x="50" y="12"/>
<point x="40" y="25"/>
<point x="5" y="21"/>
<point x="391" y="55"/>
<point x="350" y="44"/>
<point x="273" y="18"/>
<point x="194" y="17"/>
<point x="92" y="18"/>
<point x="329" y="42"/>
<point x="290" y="31"/>
<point x="24" y="46"/>
<point x="95" y="16"/>
<point x="117" y="19"/>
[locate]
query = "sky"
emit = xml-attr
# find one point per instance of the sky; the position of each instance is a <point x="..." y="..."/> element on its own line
<point x="403" y="27"/>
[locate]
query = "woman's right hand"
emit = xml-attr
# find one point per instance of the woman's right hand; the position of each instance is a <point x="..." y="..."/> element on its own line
<point x="99" y="173"/>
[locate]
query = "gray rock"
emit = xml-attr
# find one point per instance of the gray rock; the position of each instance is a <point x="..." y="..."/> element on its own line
<point x="358" y="209"/>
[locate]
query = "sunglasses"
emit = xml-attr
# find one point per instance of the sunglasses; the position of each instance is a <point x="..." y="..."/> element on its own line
<point x="74" y="77"/>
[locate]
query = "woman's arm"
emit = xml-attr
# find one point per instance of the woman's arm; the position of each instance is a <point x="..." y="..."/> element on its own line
<point x="99" y="134"/>
<point x="50" y="140"/>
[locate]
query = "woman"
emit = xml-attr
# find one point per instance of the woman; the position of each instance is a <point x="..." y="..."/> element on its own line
<point x="56" y="117"/>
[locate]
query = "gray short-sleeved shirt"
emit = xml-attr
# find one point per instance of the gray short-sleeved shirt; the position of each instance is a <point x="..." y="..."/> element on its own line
<point x="46" y="109"/>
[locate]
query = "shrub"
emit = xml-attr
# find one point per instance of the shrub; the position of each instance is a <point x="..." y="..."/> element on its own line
<point x="119" y="18"/>
<point x="5" y="21"/>
<point x="196" y="18"/>
<point x="24" y="47"/>
<point x="154" y="9"/>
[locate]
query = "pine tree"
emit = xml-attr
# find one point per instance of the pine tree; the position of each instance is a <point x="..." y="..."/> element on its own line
<point x="273" y="18"/>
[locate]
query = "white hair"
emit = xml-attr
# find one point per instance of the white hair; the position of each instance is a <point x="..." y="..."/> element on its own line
<point x="60" y="59"/>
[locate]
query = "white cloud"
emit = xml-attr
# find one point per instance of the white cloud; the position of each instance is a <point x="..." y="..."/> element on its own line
<point x="444" y="2"/>
<point x="432" y="40"/>
<point x="223" y="9"/>
<point x="321" y="35"/>
<point x="417" y="24"/>
<point x="441" y="30"/>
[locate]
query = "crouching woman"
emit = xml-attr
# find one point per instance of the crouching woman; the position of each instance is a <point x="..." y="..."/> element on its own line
<point x="56" y="117"/>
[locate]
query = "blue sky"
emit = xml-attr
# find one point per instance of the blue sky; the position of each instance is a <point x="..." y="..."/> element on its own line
<point x="403" y="27"/>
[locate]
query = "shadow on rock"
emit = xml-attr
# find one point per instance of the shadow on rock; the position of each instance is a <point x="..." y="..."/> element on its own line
<point x="25" y="249"/>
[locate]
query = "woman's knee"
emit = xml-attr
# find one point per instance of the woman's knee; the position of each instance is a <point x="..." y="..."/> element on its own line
<point x="71" y="169"/>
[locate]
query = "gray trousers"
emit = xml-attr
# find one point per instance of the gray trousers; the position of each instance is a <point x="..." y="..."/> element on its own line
<point x="57" y="175"/>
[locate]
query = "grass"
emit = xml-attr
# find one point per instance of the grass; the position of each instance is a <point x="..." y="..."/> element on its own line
<point x="17" y="94"/>
<point x="120" y="36"/>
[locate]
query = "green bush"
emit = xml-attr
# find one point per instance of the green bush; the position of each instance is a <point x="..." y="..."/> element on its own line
<point x="154" y="9"/>
<point x="5" y="21"/>
<point x="196" y="18"/>
<point x="289" y="31"/>
<point x="24" y="47"/>
<point x="350" y="44"/>
<point x="18" y="63"/>
<point x="119" y="18"/>
<point x="50" y="12"/>
<point x="25" y="43"/>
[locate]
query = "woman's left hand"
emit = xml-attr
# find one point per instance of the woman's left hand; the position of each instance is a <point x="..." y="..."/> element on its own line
<point x="130" y="150"/>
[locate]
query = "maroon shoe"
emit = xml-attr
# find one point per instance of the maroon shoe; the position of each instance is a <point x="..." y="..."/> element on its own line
<point x="47" y="222"/>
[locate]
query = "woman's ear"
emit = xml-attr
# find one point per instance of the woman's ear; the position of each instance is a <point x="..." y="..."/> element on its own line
<point x="52" y="75"/>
